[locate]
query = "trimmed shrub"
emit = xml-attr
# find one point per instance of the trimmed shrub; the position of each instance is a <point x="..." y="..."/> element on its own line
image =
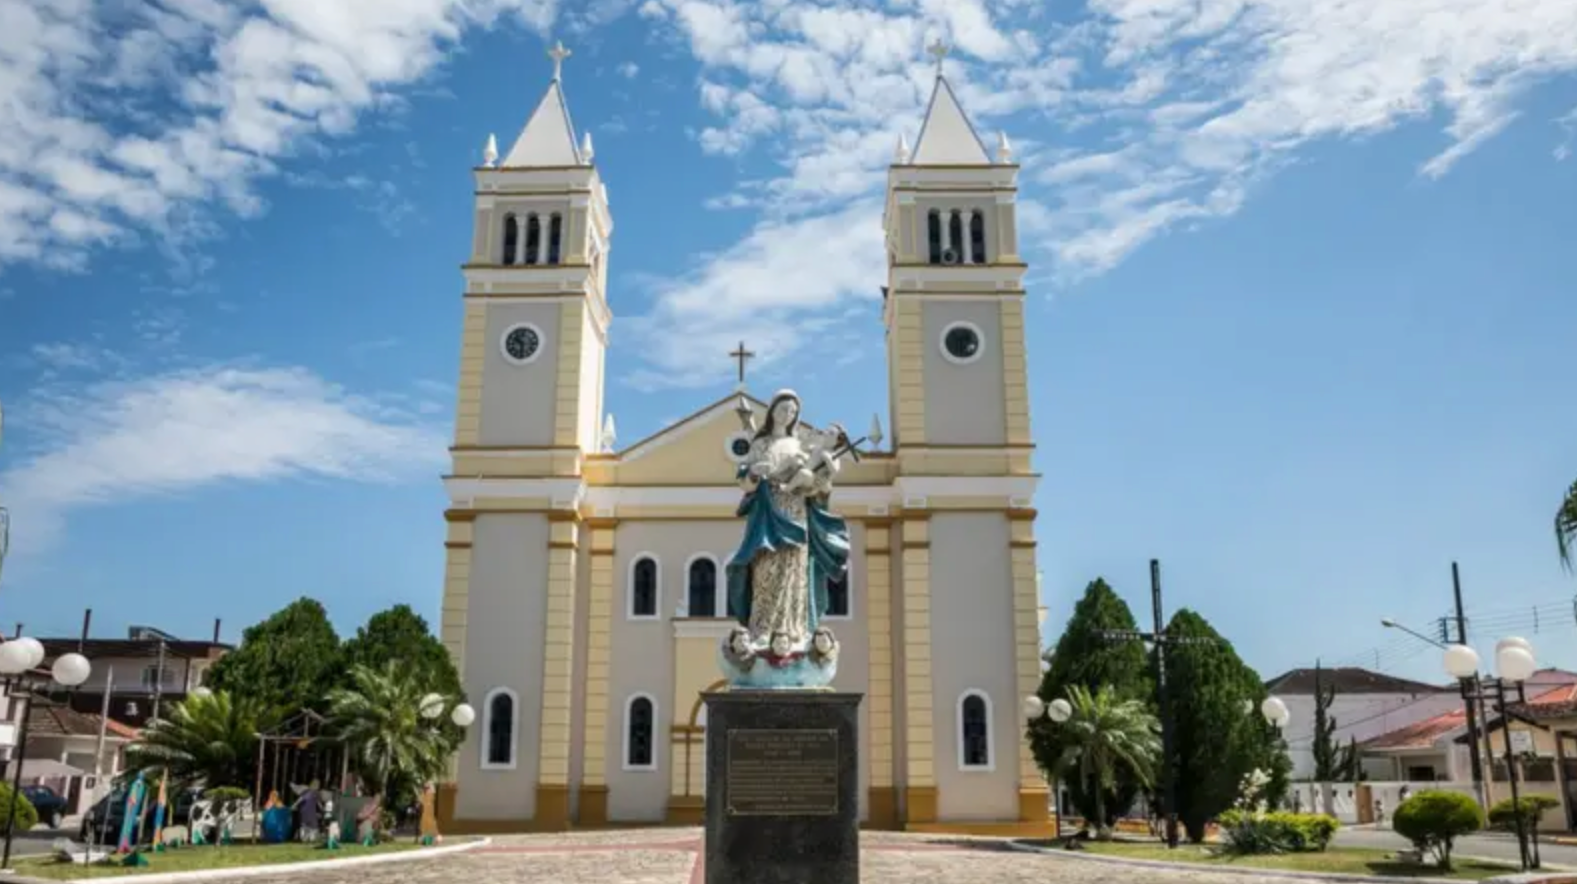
<point x="26" y="815"/>
<point x="1280" y="832"/>
<point x="1504" y="818"/>
<point x="1433" y="819"/>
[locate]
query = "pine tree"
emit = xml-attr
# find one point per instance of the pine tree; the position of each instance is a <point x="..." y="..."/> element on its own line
<point x="1084" y="657"/>
<point x="1217" y="734"/>
<point x="1327" y="754"/>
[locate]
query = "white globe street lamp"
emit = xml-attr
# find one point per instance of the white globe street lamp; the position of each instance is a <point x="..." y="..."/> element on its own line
<point x="1059" y="710"/>
<point x="14" y="658"/>
<point x="71" y="670"/>
<point x="1276" y="712"/>
<point x="1461" y="661"/>
<point x="1034" y="707"/>
<point x="462" y="715"/>
<point x="20" y="659"/>
<point x="432" y="706"/>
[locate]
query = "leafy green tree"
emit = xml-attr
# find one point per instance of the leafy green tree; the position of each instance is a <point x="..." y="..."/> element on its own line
<point x="1106" y="736"/>
<point x="394" y="749"/>
<point x="401" y="634"/>
<point x="1217" y="733"/>
<point x="1566" y="526"/>
<point x="207" y="740"/>
<point x="289" y="661"/>
<point x="1084" y="658"/>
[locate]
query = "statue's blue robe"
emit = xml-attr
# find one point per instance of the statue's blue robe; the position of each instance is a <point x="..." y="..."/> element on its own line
<point x="768" y="529"/>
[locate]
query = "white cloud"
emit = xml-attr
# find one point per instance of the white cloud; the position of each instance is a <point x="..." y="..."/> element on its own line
<point x="122" y="117"/>
<point x="629" y="70"/>
<point x="116" y="442"/>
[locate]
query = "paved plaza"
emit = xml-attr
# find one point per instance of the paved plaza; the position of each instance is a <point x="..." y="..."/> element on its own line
<point x="672" y="856"/>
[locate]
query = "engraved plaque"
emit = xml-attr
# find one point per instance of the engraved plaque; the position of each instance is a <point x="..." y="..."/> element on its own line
<point x="782" y="772"/>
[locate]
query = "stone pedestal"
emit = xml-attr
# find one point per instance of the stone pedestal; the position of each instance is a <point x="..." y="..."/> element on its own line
<point x="782" y="787"/>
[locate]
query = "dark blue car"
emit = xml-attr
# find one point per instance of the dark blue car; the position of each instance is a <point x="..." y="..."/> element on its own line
<point x="50" y="806"/>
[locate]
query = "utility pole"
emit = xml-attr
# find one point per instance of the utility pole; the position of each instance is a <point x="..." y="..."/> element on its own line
<point x="1160" y="641"/>
<point x="158" y="681"/>
<point x="1476" y="760"/>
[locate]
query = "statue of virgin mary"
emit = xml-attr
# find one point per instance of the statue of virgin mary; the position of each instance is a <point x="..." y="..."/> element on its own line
<point x="777" y="580"/>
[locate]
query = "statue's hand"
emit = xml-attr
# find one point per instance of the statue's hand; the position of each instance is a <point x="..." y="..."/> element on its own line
<point x="803" y="480"/>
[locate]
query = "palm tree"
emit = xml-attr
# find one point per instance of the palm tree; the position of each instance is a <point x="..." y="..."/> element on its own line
<point x="1104" y="734"/>
<point x="210" y="739"/>
<point x="1566" y="526"/>
<point x="393" y="747"/>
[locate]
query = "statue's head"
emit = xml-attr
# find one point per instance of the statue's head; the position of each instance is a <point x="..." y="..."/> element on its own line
<point x="782" y="414"/>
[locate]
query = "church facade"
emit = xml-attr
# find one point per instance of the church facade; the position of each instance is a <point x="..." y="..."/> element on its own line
<point x="583" y="595"/>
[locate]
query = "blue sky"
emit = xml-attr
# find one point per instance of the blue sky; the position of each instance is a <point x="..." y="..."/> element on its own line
<point x="1300" y="315"/>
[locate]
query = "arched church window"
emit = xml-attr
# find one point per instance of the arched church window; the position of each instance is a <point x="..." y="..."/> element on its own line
<point x="838" y="595"/>
<point x="974" y="731"/>
<point x="934" y="235"/>
<point x="701" y="591"/>
<point x="643" y="587"/>
<point x="955" y="235"/>
<point x="555" y="237"/>
<point x="533" y="238"/>
<point x="640" y="730"/>
<point x="977" y="238"/>
<point x="511" y="238"/>
<point x="498" y="729"/>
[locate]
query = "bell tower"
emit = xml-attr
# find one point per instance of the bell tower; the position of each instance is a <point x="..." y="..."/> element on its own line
<point x="536" y="317"/>
<point x="965" y="581"/>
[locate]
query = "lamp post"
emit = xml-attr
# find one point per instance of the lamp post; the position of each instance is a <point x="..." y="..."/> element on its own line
<point x="1514" y="665"/>
<point x="1058" y="711"/>
<point x="461" y="715"/>
<point x="1472" y="705"/>
<point x="20" y="662"/>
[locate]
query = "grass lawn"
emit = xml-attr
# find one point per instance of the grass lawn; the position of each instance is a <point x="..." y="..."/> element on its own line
<point x="1336" y="859"/>
<point x="189" y="859"/>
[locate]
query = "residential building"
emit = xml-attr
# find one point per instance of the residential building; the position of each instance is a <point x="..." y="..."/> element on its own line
<point x="1366" y="705"/>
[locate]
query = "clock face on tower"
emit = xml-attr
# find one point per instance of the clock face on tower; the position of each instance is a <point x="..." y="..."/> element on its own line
<point x="522" y="343"/>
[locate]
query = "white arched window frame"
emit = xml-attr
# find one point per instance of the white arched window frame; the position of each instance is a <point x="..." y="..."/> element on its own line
<point x="961" y="730"/>
<point x="629" y="588"/>
<point x="625" y="728"/>
<point x="719" y="601"/>
<point x="488" y="723"/>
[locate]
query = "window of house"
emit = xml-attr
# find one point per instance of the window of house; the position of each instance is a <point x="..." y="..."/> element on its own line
<point x="498" y="731"/>
<point x="974" y="731"/>
<point x="838" y="595"/>
<point x="1423" y="774"/>
<point x="511" y="238"/>
<point x="643" y="587"/>
<point x="640" y="728"/>
<point x="154" y="677"/>
<point x="702" y="588"/>
<point x="1538" y="770"/>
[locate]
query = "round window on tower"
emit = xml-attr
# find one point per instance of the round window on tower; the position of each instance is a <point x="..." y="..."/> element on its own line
<point x="962" y="342"/>
<point x="737" y="446"/>
<point x="522" y="343"/>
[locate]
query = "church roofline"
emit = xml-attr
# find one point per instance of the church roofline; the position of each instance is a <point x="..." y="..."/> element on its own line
<point x="956" y="109"/>
<point x="683" y="424"/>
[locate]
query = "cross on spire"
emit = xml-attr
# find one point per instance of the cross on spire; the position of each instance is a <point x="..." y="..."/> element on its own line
<point x="742" y="356"/>
<point x="939" y="51"/>
<point x="558" y="53"/>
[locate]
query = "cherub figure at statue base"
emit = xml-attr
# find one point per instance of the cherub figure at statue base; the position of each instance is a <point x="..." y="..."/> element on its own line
<point x="793" y="546"/>
<point x="779" y="663"/>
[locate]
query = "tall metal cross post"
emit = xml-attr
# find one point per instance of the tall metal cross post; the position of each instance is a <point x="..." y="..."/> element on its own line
<point x="742" y="356"/>
<point x="558" y="53"/>
<point x="939" y="51"/>
<point x="1160" y="640"/>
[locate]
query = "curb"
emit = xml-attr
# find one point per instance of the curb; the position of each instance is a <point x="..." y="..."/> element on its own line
<point x="1231" y="870"/>
<point x="423" y="853"/>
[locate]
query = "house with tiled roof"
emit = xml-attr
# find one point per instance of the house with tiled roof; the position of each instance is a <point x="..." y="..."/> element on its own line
<point x="1367" y="704"/>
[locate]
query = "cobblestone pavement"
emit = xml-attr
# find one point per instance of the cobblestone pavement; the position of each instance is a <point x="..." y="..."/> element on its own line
<point x="671" y="856"/>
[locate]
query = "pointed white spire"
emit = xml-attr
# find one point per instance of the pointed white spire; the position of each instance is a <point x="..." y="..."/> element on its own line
<point x="490" y="152"/>
<point x="901" y="153"/>
<point x="610" y="435"/>
<point x="1004" y="149"/>
<point x="549" y="137"/>
<point x="586" y="151"/>
<point x="947" y="138"/>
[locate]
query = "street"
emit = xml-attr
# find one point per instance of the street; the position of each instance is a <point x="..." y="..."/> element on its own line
<point x="1503" y="847"/>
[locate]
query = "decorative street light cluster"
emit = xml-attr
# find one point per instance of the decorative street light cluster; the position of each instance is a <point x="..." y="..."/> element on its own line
<point x="20" y="662"/>
<point x="432" y="707"/>
<point x="1058" y="711"/>
<point x="1514" y="665"/>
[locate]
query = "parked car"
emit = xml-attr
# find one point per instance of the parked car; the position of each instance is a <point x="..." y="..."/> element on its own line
<point x="50" y="806"/>
<point x="102" y="822"/>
